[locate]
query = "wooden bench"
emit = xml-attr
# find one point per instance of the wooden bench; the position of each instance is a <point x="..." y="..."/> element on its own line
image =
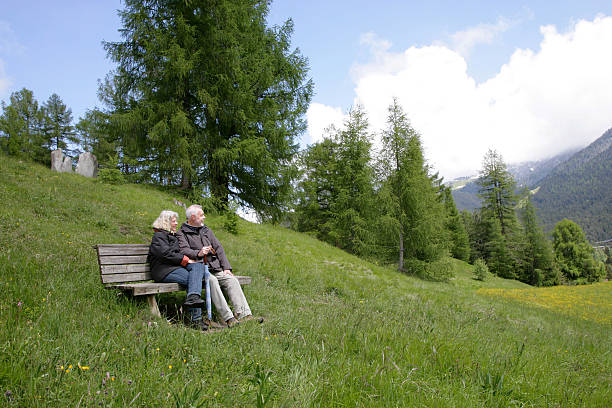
<point x="125" y="267"/>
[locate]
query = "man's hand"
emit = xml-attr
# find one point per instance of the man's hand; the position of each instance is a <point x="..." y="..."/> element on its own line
<point x="205" y="250"/>
<point x="228" y="272"/>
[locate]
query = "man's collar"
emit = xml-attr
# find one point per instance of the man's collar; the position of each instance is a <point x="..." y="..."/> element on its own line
<point x="187" y="227"/>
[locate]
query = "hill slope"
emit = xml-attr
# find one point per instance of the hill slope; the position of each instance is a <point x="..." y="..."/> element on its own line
<point x="526" y="174"/>
<point x="580" y="189"/>
<point x="339" y="331"/>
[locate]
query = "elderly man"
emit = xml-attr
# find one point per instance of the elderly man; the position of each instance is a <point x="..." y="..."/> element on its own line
<point x="199" y="243"/>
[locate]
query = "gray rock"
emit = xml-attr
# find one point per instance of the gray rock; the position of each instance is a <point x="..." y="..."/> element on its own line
<point x="87" y="165"/>
<point x="60" y="163"/>
<point x="57" y="157"/>
<point x="66" y="165"/>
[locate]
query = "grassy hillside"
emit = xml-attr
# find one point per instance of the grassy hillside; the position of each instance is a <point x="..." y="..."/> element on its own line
<point x="339" y="332"/>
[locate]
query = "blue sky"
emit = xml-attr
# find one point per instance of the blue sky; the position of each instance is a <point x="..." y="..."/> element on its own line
<point x="526" y="78"/>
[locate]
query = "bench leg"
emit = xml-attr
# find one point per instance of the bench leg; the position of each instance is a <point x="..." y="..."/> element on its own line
<point x="153" y="305"/>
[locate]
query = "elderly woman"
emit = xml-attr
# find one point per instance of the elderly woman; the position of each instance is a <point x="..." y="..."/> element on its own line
<point x="168" y="264"/>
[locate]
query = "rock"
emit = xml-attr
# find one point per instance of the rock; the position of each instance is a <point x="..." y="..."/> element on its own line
<point x="87" y="165"/>
<point x="66" y="165"/>
<point x="179" y="203"/>
<point x="60" y="163"/>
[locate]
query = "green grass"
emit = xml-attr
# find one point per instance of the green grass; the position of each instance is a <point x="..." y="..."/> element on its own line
<point x="339" y="331"/>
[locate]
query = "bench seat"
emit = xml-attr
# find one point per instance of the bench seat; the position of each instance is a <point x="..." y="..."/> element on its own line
<point x="125" y="267"/>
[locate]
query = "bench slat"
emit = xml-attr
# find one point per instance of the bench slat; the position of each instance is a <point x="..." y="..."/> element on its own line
<point x="148" y="288"/>
<point x="123" y="250"/>
<point x="119" y="260"/>
<point x="126" y="277"/>
<point x="131" y="268"/>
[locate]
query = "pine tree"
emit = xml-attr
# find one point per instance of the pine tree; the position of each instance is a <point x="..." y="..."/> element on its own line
<point x="460" y="243"/>
<point x="503" y="239"/>
<point x="352" y="208"/>
<point x="337" y="188"/>
<point x="409" y="195"/>
<point x="94" y="135"/>
<point x="210" y="97"/>
<point x="574" y="255"/>
<point x="498" y="256"/>
<point x="497" y="191"/>
<point x="21" y="127"/>
<point x="540" y="269"/>
<point x="57" y="125"/>
<point x="316" y="190"/>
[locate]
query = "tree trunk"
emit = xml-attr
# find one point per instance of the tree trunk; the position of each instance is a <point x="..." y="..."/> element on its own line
<point x="219" y="185"/>
<point x="401" y="252"/>
<point x="186" y="180"/>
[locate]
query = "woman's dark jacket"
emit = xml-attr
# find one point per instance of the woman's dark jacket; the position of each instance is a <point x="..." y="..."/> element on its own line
<point x="192" y="239"/>
<point x="164" y="255"/>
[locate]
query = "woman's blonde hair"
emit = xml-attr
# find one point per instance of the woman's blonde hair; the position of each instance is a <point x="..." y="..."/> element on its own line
<point x="163" y="221"/>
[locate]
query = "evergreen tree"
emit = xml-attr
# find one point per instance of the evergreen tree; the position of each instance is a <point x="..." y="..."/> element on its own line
<point x="409" y="195"/>
<point x="540" y="268"/>
<point x="57" y="125"/>
<point x="574" y="255"/>
<point x="497" y="191"/>
<point x="210" y="97"/>
<point x="21" y="127"/>
<point x="337" y="189"/>
<point x="498" y="256"/>
<point x="94" y="135"/>
<point x="476" y="234"/>
<point x="504" y="244"/>
<point x="460" y="242"/>
<point x="352" y="207"/>
<point x="317" y="189"/>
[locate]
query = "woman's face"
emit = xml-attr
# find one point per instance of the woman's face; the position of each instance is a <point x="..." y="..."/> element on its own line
<point x="173" y="224"/>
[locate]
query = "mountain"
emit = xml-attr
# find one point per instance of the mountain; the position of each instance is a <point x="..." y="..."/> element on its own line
<point x="580" y="189"/>
<point x="526" y="174"/>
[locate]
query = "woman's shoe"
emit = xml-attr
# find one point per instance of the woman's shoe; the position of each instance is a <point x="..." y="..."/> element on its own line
<point x="194" y="301"/>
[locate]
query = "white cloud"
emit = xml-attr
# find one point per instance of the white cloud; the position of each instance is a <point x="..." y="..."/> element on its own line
<point x="539" y="104"/>
<point x="320" y="117"/>
<point x="464" y="41"/>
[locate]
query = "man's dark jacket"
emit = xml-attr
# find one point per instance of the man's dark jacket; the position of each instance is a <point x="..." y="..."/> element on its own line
<point x="192" y="239"/>
<point x="164" y="255"/>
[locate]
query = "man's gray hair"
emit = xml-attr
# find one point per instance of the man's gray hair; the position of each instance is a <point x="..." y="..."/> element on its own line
<point x="192" y="210"/>
<point x="163" y="221"/>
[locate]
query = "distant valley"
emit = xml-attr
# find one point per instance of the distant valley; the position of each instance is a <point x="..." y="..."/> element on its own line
<point x="576" y="184"/>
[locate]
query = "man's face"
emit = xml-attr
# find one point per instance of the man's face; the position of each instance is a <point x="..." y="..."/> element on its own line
<point x="198" y="218"/>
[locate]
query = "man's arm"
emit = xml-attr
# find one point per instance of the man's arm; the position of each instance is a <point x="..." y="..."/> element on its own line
<point x="184" y="246"/>
<point x="219" y="251"/>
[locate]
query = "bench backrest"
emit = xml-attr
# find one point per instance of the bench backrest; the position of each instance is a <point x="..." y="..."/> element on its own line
<point x="121" y="263"/>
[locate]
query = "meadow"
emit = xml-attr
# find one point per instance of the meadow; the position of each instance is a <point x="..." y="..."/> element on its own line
<point x="339" y="331"/>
